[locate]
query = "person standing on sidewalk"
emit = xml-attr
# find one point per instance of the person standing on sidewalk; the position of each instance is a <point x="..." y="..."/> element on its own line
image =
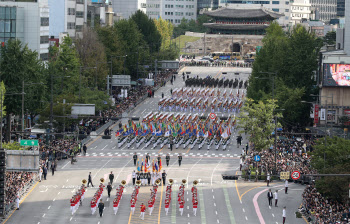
<point x="268" y="179"/>
<point x="284" y="214"/>
<point x="276" y="198"/>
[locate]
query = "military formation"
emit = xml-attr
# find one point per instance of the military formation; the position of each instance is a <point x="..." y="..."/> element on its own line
<point x="216" y="82"/>
<point x="77" y="199"/>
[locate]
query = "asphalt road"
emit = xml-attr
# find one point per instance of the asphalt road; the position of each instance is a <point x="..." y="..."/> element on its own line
<point x="227" y="202"/>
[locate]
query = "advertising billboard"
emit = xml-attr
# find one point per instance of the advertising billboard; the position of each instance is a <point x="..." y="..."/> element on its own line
<point x="336" y="74"/>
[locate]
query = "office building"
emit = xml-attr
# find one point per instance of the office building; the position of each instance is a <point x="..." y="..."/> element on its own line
<point x="172" y="10"/>
<point x="207" y="4"/>
<point x="67" y="16"/>
<point x="126" y="8"/>
<point x="341" y="8"/>
<point x="28" y="22"/>
<point x="325" y="10"/>
<point x="300" y="10"/>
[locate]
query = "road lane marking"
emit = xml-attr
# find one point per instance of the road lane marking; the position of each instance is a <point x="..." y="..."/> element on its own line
<point x="243" y="210"/>
<point x="44" y="215"/>
<point x="49" y="207"/>
<point x="228" y="205"/>
<point x="70" y="218"/>
<point x="212" y="175"/>
<point x="201" y="205"/>
<point x="65" y="165"/>
<point x="246" y="218"/>
<point x="160" y="205"/>
<point x="273" y="215"/>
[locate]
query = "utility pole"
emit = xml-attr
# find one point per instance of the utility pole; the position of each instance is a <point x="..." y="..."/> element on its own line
<point x="155" y="69"/>
<point x="22" y="109"/>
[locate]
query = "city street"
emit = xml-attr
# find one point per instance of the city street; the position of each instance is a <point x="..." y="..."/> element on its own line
<point x="220" y="201"/>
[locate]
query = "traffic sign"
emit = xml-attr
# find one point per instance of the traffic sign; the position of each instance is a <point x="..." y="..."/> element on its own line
<point x="25" y="142"/>
<point x="257" y="158"/>
<point x="295" y="175"/>
<point x="212" y="116"/>
<point x="284" y="175"/>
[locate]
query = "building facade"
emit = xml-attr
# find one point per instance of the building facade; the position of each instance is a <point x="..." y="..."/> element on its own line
<point x="325" y="10"/>
<point x="300" y="10"/>
<point x="241" y="21"/>
<point x="341" y="8"/>
<point x="67" y="16"/>
<point x="28" y="22"/>
<point x="207" y="4"/>
<point x="172" y="10"/>
<point x="279" y="6"/>
<point x="126" y="8"/>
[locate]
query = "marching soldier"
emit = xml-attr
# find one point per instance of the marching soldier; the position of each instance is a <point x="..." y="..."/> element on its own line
<point x="135" y="158"/>
<point x="142" y="178"/>
<point x="180" y="159"/>
<point x="143" y="209"/>
<point x="167" y="159"/>
<point x="167" y="203"/>
<point x="101" y="206"/>
<point x="164" y="177"/>
<point x="90" y="180"/>
<point x="148" y="157"/>
<point x="111" y="177"/>
<point x="133" y="177"/>
<point x="159" y="158"/>
<point x="109" y="189"/>
<point x="149" y="178"/>
<point x="195" y="205"/>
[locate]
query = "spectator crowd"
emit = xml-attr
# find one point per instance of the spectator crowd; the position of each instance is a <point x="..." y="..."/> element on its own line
<point x="293" y="153"/>
<point x="16" y="184"/>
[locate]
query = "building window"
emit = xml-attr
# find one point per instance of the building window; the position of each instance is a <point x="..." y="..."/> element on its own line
<point x="80" y="1"/>
<point x="70" y="26"/>
<point x="275" y="2"/>
<point x="287" y="3"/>
<point x="44" y="57"/>
<point x="79" y="28"/>
<point x="276" y="10"/>
<point x="80" y="14"/>
<point x="287" y="10"/>
<point x="287" y="17"/>
<point x="44" y="21"/>
<point x="71" y="11"/>
<point x="44" y="39"/>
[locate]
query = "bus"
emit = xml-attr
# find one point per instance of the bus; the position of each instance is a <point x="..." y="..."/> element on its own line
<point x="226" y="55"/>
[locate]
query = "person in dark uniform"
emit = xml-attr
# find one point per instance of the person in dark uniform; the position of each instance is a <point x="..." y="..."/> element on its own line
<point x="138" y="176"/>
<point x="84" y="149"/>
<point x="148" y="178"/>
<point x="109" y="189"/>
<point x="142" y="177"/>
<point x="90" y="180"/>
<point x="111" y="177"/>
<point x="53" y="168"/>
<point x="164" y="177"/>
<point x="171" y="145"/>
<point x="239" y="140"/>
<point x="159" y="158"/>
<point x="167" y="159"/>
<point x="135" y="158"/>
<point x="148" y="157"/>
<point x="269" y="197"/>
<point x="162" y="95"/>
<point x="180" y="159"/>
<point x="120" y="125"/>
<point x="171" y="91"/>
<point x="101" y="206"/>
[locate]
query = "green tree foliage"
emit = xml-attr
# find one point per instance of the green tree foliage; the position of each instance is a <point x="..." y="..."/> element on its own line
<point x="12" y="146"/>
<point x="148" y="29"/>
<point x="257" y="120"/>
<point x="91" y="53"/>
<point x="331" y="156"/>
<point x="133" y="45"/>
<point x="2" y="98"/>
<point x="330" y="38"/>
<point x="168" y="49"/>
<point x="293" y="57"/>
<point x="192" y="25"/>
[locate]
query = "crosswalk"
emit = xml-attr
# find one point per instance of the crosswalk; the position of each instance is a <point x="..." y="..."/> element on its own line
<point x="141" y="154"/>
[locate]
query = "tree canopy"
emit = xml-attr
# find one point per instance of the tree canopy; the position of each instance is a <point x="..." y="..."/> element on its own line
<point x="291" y="58"/>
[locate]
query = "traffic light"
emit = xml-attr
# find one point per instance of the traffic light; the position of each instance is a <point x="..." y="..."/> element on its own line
<point x="2" y="180"/>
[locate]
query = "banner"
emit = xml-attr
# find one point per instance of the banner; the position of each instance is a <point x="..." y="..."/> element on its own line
<point x="323" y="115"/>
<point x="316" y="114"/>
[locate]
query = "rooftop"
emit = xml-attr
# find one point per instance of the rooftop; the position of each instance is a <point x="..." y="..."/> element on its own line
<point x="236" y="26"/>
<point x="227" y="12"/>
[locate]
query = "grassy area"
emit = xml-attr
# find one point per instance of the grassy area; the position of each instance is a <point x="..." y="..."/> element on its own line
<point x="183" y="39"/>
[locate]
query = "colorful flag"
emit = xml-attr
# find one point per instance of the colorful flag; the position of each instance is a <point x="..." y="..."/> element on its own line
<point x="138" y="165"/>
<point x="160" y="164"/>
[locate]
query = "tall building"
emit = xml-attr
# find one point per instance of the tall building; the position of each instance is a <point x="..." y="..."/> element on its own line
<point x="325" y="9"/>
<point x="67" y="16"/>
<point x="207" y="4"/>
<point x="28" y="22"/>
<point x="280" y="6"/>
<point x="300" y="10"/>
<point x="126" y="8"/>
<point x="171" y="10"/>
<point x="341" y="8"/>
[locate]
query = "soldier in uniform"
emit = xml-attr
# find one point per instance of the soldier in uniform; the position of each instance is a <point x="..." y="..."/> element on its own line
<point x="142" y="178"/>
<point x="101" y="206"/>
<point x="180" y="159"/>
<point x="109" y="189"/>
<point x="167" y="158"/>
<point x="159" y="158"/>
<point x="167" y="203"/>
<point x="135" y="158"/>
<point x="164" y="177"/>
<point x="148" y="175"/>
<point x="132" y="205"/>
<point x="195" y="205"/>
<point x="182" y="204"/>
<point x="111" y="177"/>
<point x="143" y="209"/>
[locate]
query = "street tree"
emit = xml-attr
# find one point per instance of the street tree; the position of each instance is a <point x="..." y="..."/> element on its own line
<point x="331" y="156"/>
<point x="148" y="29"/>
<point x="91" y="53"/>
<point x="168" y="50"/>
<point x="18" y="65"/>
<point x="257" y="120"/>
